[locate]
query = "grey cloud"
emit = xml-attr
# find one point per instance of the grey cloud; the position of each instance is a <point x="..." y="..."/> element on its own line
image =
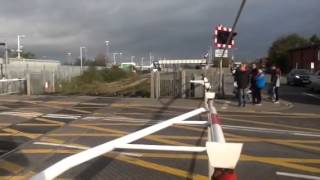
<point x="179" y="28"/>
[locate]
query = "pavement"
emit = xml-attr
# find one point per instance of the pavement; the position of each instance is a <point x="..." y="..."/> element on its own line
<point x="281" y="141"/>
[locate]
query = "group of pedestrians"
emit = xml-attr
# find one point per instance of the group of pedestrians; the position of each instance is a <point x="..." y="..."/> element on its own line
<point x="256" y="80"/>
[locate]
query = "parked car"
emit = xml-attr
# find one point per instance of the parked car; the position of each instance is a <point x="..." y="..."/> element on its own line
<point x="315" y="81"/>
<point x="298" y="77"/>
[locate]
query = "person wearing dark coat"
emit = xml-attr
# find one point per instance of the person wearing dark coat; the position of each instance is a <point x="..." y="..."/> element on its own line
<point x="242" y="78"/>
<point x="253" y="87"/>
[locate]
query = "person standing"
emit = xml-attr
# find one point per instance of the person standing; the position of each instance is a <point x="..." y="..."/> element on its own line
<point x="275" y="83"/>
<point x="242" y="79"/>
<point x="260" y="84"/>
<point x="253" y="86"/>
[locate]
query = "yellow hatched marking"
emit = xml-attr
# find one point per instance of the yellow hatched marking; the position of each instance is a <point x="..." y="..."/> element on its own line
<point x="49" y="121"/>
<point x="19" y="133"/>
<point x="273" y="124"/>
<point x="10" y="167"/>
<point x="161" y="168"/>
<point x="123" y="133"/>
<point x="38" y="125"/>
<point x="292" y="163"/>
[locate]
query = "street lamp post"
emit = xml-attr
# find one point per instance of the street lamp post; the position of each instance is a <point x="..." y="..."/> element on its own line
<point x="19" y="49"/>
<point x="107" y="51"/>
<point x="81" y="60"/>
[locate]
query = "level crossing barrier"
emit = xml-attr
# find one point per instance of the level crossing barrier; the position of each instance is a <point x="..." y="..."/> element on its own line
<point x="223" y="156"/>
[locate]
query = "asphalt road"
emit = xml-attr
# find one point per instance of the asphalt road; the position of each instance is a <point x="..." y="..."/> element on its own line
<point x="37" y="131"/>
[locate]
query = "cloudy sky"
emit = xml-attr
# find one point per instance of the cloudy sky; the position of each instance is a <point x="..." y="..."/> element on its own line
<point x="167" y="28"/>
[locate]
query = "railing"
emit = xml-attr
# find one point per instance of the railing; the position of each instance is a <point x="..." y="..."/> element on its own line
<point x="223" y="156"/>
<point x="12" y="86"/>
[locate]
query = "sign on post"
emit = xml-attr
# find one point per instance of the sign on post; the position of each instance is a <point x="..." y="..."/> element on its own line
<point x="312" y="65"/>
<point x="218" y="53"/>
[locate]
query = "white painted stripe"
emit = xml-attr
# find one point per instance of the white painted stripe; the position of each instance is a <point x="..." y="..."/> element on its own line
<point x="272" y="131"/>
<point x="82" y="148"/>
<point x="302" y="176"/>
<point x="58" y="117"/>
<point x="131" y="154"/>
<point x="193" y="122"/>
<point x="63" y="115"/>
<point x="61" y="145"/>
<point x="161" y="147"/>
<point x="312" y="95"/>
<point x="76" y="159"/>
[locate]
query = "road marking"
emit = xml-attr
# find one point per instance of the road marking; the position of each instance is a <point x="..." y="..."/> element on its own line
<point x="19" y="133"/>
<point x="302" y="176"/>
<point x="272" y="124"/>
<point x="61" y="145"/>
<point x="109" y="130"/>
<point x="10" y="166"/>
<point x="38" y="125"/>
<point x="49" y="121"/>
<point x="282" y="162"/>
<point x="271" y="131"/>
<point x="161" y="168"/>
<point x="312" y="95"/>
<point x="62" y="116"/>
<point x="21" y="114"/>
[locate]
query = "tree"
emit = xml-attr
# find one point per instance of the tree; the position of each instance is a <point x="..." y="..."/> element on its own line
<point x="100" y="60"/>
<point x="24" y="55"/>
<point x="314" y="39"/>
<point x="278" y="52"/>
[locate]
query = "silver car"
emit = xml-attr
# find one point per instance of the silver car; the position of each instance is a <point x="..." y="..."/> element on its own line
<point x="315" y="81"/>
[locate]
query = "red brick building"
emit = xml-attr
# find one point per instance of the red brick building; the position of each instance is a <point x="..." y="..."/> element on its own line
<point x="303" y="57"/>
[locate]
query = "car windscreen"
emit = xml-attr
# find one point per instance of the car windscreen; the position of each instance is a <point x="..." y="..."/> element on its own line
<point x="302" y="72"/>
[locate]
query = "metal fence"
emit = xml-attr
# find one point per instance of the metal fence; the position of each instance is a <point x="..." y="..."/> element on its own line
<point x="44" y="76"/>
<point x="13" y="86"/>
<point x="177" y="84"/>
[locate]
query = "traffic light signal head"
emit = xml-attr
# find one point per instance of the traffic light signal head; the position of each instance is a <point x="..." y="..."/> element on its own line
<point x="221" y="35"/>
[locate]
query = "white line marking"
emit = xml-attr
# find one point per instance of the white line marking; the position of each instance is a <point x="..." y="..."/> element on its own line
<point x="62" y="116"/>
<point x="131" y="154"/>
<point x="274" y="131"/>
<point x="312" y="95"/>
<point x="161" y="147"/>
<point x="82" y="148"/>
<point x="193" y="122"/>
<point x="302" y="176"/>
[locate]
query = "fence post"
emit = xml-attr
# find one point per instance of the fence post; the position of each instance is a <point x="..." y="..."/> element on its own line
<point x="28" y="84"/>
<point x="53" y="83"/>
<point x="152" y="88"/>
<point x="158" y="88"/>
<point x="183" y="84"/>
